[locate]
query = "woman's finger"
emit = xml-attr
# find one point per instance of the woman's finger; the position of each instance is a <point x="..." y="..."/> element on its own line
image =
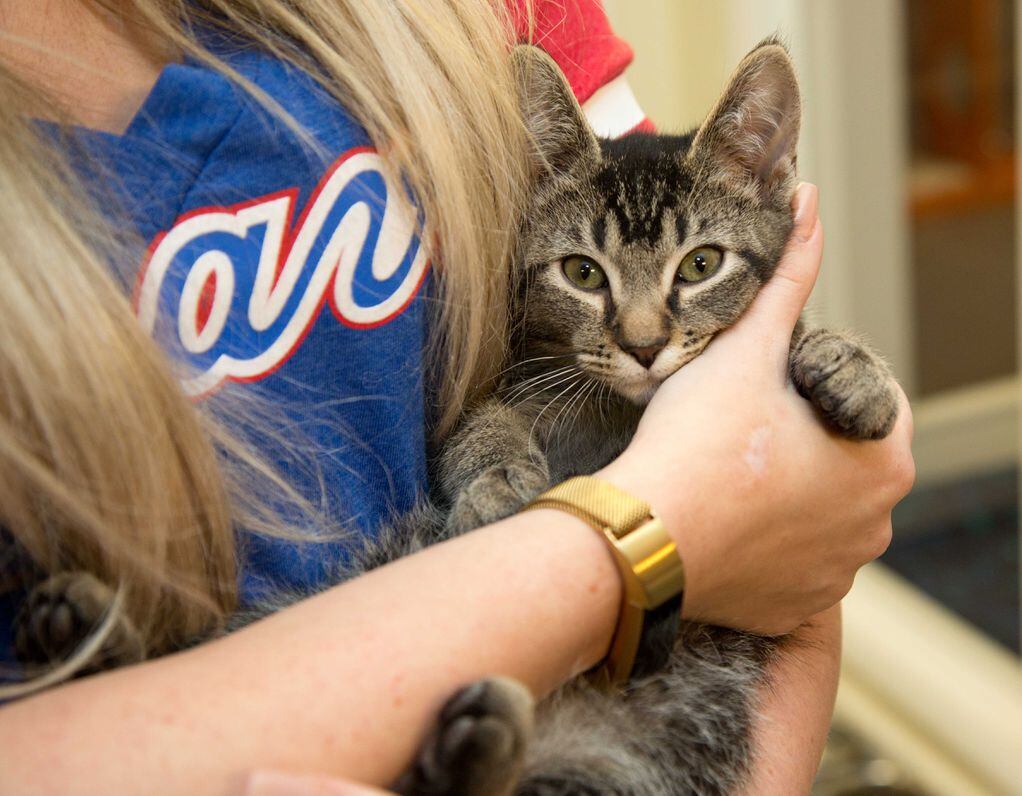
<point x="279" y="783"/>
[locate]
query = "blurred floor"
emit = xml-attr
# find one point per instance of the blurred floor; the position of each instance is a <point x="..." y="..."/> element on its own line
<point x="851" y="767"/>
<point x="959" y="543"/>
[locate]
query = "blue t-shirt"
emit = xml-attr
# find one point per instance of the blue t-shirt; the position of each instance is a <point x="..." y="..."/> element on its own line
<point x="291" y="269"/>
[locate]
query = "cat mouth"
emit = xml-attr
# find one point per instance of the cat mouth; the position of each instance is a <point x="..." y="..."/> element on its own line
<point x="639" y="389"/>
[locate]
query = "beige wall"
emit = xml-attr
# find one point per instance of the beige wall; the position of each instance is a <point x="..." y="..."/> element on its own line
<point x="686" y="49"/>
<point x="680" y="64"/>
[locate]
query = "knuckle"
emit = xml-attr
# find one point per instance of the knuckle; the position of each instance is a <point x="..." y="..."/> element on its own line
<point x="790" y="275"/>
<point x="905" y="474"/>
<point x="898" y="465"/>
<point x="839" y="589"/>
<point x="880" y="539"/>
<point x="903" y="469"/>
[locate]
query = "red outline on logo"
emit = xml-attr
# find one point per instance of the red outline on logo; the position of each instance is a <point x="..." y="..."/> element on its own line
<point x="205" y="307"/>
<point x="291" y="233"/>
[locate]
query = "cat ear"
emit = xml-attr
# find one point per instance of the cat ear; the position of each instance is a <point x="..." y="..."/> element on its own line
<point x="561" y="136"/>
<point x="752" y="133"/>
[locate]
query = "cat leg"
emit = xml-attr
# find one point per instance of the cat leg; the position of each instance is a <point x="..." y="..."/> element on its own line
<point x="491" y="468"/>
<point x="478" y="744"/>
<point x="589" y="743"/>
<point x="850" y="385"/>
<point x="61" y="613"/>
<point x="683" y="731"/>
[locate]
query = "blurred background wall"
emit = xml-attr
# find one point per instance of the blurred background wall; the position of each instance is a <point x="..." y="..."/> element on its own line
<point x="910" y="131"/>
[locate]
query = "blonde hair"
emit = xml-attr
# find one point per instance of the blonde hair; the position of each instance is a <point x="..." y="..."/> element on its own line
<point x="104" y="464"/>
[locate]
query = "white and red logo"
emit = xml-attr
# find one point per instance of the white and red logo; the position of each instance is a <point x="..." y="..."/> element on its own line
<point x="236" y="289"/>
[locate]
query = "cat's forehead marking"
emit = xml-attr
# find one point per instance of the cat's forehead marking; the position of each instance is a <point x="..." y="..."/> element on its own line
<point x="643" y="183"/>
<point x="599" y="232"/>
<point x="680" y="227"/>
<point x="638" y="204"/>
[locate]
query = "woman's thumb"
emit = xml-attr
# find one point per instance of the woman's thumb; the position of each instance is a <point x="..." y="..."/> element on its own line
<point x="278" y="783"/>
<point x="775" y="310"/>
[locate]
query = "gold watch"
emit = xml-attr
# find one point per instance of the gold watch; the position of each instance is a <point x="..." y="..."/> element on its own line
<point x="647" y="558"/>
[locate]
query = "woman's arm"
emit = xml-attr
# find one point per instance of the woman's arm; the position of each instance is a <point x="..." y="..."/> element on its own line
<point x="345" y="682"/>
<point x="342" y="683"/>
<point x="794" y="715"/>
<point x="793" y="719"/>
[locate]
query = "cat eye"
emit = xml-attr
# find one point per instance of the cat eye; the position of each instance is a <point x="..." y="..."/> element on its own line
<point x="583" y="272"/>
<point x="700" y="263"/>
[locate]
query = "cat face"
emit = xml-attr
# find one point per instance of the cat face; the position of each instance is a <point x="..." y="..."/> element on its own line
<point x="639" y="250"/>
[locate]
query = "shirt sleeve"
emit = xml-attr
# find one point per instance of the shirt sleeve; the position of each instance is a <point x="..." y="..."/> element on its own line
<point x="578" y="36"/>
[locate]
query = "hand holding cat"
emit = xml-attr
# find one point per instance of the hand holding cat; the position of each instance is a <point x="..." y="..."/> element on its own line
<point x="279" y="783"/>
<point x="773" y="512"/>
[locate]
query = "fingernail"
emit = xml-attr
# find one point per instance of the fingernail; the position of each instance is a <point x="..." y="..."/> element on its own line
<point x="277" y="783"/>
<point x="806" y="207"/>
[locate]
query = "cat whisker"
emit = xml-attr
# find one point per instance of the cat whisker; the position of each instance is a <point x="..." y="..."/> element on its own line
<point x="529" y="361"/>
<point x="528" y="392"/>
<point x="564" y="377"/>
<point x="604" y="394"/>
<point x="599" y="400"/>
<point x="550" y="403"/>
<point x="563" y="409"/>
<point x="536" y="380"/>
<point x="585" y="395"/>
<point x="566" y="409"/>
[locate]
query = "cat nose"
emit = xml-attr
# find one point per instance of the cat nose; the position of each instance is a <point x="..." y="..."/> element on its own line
<point x="646" y="354"/>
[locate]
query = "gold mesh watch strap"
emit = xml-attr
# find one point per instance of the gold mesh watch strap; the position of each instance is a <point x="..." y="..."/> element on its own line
<point x="651" y="569"/>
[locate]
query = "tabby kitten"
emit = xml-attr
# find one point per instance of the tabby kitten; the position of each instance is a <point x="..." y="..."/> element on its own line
<point x="637" y="252"/>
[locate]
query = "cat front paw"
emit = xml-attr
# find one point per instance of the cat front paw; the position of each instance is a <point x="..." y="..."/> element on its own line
<point x="61" y="613"/>
<point x="846" y="382"/>
<point x="496" y="493"/>
<point x="478" y="745"/>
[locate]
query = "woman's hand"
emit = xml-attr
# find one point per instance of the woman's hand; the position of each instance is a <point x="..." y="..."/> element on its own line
<point x="280" y="783"/>
<point x="772" y="512"/>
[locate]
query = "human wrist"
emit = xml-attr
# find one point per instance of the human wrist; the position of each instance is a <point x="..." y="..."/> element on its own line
<point x="678" y="509"/>
<point x="583" y="561"/>
<point x="651" y="573"/>
<point x="664" y="499"/>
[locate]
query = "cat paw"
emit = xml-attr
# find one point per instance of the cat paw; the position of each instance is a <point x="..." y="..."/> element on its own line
<point x="478" y="745"/>
<point x="58" y="616"/>
<point x="847" y="383"/>
<point x="496" y="493"/>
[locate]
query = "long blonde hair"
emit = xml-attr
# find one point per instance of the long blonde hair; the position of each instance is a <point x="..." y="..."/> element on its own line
<point x="104" y="464"/>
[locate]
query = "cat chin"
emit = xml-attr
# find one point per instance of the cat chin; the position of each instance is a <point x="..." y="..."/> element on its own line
<point x="640" y="391"/>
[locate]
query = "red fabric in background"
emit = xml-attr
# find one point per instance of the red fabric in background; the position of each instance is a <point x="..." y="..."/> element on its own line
<point x="578" y="36"/>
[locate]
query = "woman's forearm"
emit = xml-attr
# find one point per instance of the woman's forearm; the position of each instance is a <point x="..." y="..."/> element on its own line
<point x="342" y="683"/>
<point x="795" y="713"/>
